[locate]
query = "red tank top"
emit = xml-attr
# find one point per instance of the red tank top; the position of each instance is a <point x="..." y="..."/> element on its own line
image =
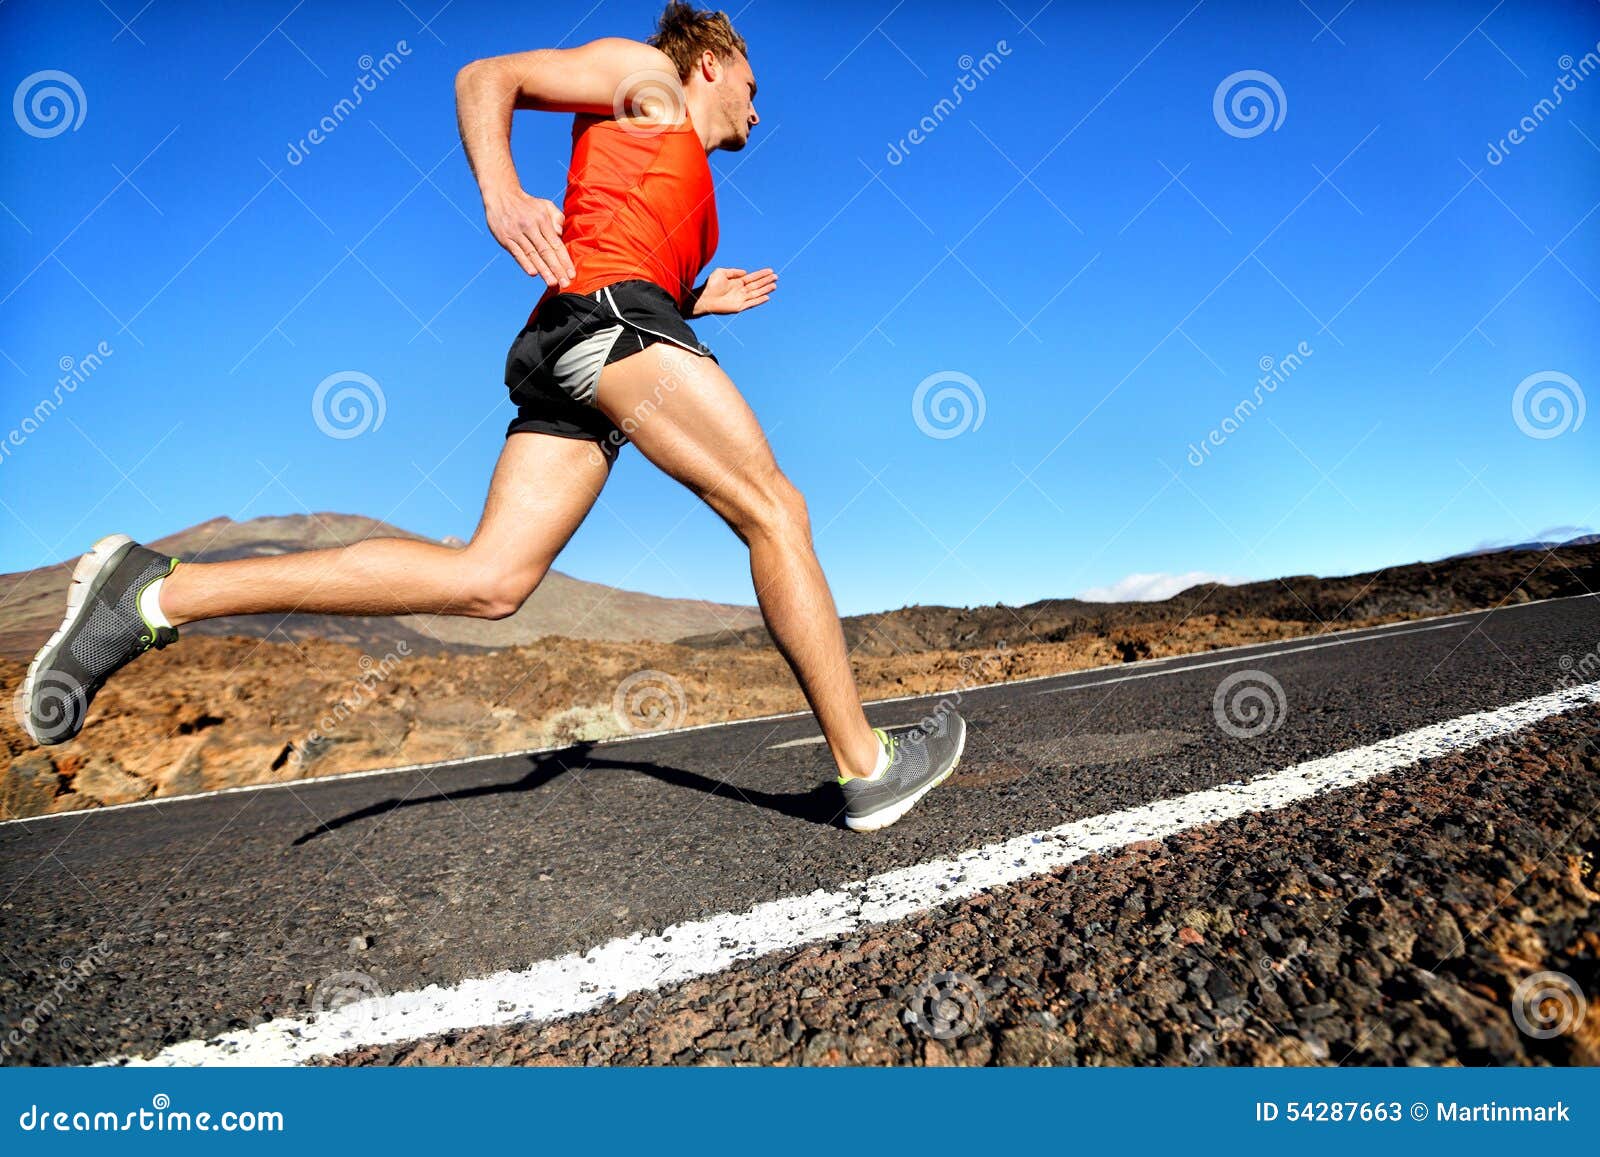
<point x="639" y="205"/>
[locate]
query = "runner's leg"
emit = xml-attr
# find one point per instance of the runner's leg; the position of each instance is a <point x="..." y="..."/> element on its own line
<point x="543" y="487"/>
<point x="686" y="416"/>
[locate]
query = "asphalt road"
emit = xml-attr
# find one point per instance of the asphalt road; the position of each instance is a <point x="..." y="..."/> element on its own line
<point x="185" y="919"/>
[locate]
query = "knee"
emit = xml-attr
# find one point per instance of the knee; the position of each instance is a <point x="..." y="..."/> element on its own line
<point x="774" y="508"/>
<point x="498" y="592"/>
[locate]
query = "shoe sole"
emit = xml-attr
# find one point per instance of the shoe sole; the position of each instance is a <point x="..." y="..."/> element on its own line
<point x="90" y="567"/>
<point x="883" y="817"/>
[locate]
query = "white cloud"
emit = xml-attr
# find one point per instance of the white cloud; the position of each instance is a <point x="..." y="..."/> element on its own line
<point x="1149" y="588"/>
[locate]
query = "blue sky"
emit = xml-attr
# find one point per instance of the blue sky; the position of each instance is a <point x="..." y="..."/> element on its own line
<point x="1080" y="243"/>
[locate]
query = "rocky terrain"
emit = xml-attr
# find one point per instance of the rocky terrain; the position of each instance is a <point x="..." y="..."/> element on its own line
<point x="216" y="712"/>
<point x="31" y="606"/>
<point x="210" y="713"/>
<point x="1444" y="915"/>
<point x="1412" y="591"/>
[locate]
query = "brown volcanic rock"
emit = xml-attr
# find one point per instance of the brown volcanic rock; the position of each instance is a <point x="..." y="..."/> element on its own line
<point x="31" y="602"/>
<point x="1308" y="957"/>
<point x="1402" y="592"/>
<point x="186" y="719"/>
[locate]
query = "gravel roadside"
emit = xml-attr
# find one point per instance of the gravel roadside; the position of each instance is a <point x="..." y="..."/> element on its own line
<point x="1443" y="915"/>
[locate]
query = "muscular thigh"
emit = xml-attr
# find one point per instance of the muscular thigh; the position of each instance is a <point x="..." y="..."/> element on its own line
<point x="543" y="487"/>
<point x="688" y="418"/>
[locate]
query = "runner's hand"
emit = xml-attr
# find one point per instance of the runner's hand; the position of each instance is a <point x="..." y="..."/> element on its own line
<point x="530" y="230"/>
<point x="735" y="290"/>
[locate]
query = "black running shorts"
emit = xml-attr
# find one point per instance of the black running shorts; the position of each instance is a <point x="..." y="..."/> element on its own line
<point x="555" y="363"/>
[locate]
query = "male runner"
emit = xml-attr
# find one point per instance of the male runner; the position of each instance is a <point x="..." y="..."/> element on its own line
<point x="606" y="348"/>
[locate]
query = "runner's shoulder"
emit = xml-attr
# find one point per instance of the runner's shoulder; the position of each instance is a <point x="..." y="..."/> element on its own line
<point x="624" y="59"/>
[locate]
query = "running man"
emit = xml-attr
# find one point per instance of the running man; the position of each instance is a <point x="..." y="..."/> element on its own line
<point x="606" y="350"/>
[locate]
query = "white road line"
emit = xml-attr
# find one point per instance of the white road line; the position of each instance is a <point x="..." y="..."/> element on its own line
<point x="1248" y="658"/>
<point x="813" y="739"/>
<point x="1385" y="628"/>
<point x="582" y="981"/>
<point x="1388" y="633"/>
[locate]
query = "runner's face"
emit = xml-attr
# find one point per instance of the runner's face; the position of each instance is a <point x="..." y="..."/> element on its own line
<point x="738" y="85"/>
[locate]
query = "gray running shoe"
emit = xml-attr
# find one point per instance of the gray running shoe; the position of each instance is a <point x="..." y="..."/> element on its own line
<point x="103" y="632"/>
<point x="918" y="763"/>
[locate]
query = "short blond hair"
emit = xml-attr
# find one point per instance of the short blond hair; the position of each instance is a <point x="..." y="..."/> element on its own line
<point x="684" y="32"/>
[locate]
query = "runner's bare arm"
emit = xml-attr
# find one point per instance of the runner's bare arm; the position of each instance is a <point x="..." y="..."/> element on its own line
<point x="592" y="78"/>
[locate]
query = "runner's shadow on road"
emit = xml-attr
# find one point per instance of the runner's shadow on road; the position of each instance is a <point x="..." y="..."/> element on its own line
<point x="821" y="805"/>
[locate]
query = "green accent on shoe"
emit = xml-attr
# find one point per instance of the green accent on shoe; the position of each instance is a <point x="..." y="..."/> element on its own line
<point x="887" y="741"/>
<point x="147" y="640"/>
